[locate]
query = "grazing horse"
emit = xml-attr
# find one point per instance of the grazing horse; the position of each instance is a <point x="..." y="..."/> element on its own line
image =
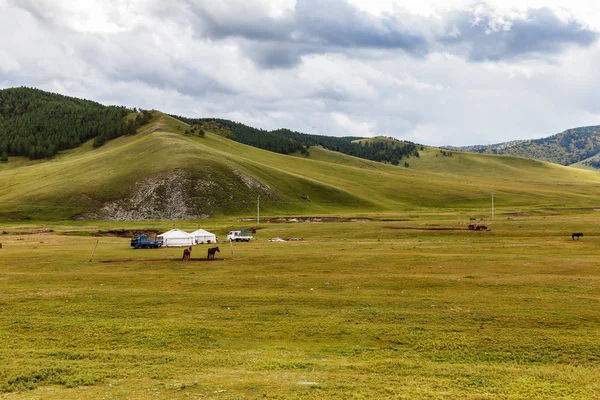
<point x="211" y="252"/>
<point x="576" y="235"/>
<point x="187" y="253"/>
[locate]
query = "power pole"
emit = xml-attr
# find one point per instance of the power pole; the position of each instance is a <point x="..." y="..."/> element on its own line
<point x="92" y="256"/>
<point x="258" y="211"/>
<point x="492" y="205"/>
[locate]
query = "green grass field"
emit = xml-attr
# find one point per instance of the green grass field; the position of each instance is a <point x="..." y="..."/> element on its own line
<point x="86" y="178"/>
<point x="418" y="307"/>
<point x="408" y="305"/>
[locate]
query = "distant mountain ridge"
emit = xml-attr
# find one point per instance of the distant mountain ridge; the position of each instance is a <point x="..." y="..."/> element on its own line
<point x="566" y="148"/>
<point x="164" y="171"/>
<point x="116" y="163"/>
<point x="39" y="124"/>
<point x="286" y="141"/>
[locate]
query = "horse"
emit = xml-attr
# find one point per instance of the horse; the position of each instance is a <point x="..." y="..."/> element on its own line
<point x="211" y="252"/>
<point x="576" y="235"/>
<point x="187" y="253"/>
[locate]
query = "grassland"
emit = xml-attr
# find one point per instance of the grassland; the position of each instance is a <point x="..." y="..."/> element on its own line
<point x="408" y="305"/>
<point x="418" y="307"/>
<point x="86" y="178"/>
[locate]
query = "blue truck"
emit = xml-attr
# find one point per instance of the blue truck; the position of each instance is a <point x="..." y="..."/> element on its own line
<point x="144" y="242"/>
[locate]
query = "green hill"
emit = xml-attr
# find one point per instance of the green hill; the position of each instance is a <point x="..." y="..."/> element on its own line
<point x="566" y="148"/>
<point x="163" y="173"/>
<point x="38" y="124"/>
<point x="285" y="141"/>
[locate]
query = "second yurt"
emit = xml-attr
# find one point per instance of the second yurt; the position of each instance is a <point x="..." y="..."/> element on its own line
<point x="202" y="236"/>
<point x="176" y="238"/>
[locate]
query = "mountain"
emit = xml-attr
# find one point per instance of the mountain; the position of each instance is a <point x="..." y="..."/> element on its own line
<point x="58" y="163"/>
<point x="160" y="172"/>
<point x="566" y="148"/>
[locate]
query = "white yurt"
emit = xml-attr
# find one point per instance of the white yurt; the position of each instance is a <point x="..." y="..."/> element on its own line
<point x="202" y="236"/>
<point x="176" y="238"/>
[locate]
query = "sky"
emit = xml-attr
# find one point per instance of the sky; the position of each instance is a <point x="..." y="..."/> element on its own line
<point x="433" y="72"/>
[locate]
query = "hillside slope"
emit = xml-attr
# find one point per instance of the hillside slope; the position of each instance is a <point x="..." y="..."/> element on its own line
<point x="163" y="173"/>
<point x="566" y="148"/>
<point x="286" y="141"/>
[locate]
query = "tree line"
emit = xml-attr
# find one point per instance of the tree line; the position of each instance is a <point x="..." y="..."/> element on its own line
<point x="286" y="141"/>
<point x="38" y="124"/>
<point x="592" y="163"/>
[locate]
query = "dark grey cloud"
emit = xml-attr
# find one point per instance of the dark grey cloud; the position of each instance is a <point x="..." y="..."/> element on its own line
<point x="274" y="55"/>
<point x="256" y="28"/>
<point x="539" y="32"/>
<point x="336" y="26"/>
<point x="336" y="23"/>
<point x="313" y="27"/>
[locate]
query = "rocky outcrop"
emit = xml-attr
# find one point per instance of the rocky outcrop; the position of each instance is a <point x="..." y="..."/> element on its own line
<point x="180" y="194"/>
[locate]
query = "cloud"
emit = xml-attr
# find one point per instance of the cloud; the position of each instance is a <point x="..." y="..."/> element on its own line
<point x="82" y="16"/>
<point x="335" y="26"/>
<point x="487" y="35"/>
<point x="466" y="76"/>
<point x="312" y="27"/>
<point x="281" y="40"/>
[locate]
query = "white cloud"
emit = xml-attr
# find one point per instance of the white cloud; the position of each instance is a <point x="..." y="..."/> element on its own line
<point x="352" y="127"/>
<point x="8" y="63"/>
<point x="168" y="56"/>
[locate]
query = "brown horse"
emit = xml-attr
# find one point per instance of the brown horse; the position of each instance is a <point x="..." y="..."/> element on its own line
<point x="211" y="252"/>
<point x="187" y="253"/>
<point x="576" y="235"/>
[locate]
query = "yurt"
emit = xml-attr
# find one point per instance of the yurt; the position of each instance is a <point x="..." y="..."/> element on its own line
<point x="176" y="238"/>
<point x="202" y="236"/>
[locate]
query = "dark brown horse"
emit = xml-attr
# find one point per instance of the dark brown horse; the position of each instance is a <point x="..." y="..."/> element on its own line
<point x="576" y="235"/>
<point x="211" y="252"/>
<point x="187" y="253"/>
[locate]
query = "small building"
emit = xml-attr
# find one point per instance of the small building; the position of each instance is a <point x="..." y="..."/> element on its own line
<point x="202" y="236"/>
<point x="176" y="238"/>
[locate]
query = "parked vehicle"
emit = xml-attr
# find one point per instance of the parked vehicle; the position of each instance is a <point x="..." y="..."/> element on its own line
<point x="476" y="227"/>
<point x="243" y="235"/>
<point x="145" y="242"/>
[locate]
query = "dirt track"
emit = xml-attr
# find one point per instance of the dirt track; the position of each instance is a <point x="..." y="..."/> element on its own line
<point x="420" y="228"/>
<point x="155" y="260"/>
<point x="306" y="219"/>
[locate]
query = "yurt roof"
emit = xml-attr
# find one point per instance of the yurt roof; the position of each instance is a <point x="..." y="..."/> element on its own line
<point x="175" y="233"/>
<point x="201" y="232"/>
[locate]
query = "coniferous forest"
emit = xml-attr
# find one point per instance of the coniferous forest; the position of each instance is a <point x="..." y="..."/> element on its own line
<point x="286" y="141"/>
<point x="38" y="124"/>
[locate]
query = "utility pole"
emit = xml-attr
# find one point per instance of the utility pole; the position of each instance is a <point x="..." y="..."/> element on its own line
<point x="92" y="256"/>
<point x="492" y="205"/>
<point x="258" y="211"/>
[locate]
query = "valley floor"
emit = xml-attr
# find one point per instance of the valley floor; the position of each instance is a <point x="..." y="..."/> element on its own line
<point x="420" y="307"/>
